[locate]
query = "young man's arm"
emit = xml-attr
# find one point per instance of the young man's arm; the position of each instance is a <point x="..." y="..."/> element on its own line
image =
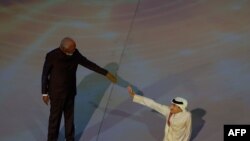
<point x="163" y="109"/>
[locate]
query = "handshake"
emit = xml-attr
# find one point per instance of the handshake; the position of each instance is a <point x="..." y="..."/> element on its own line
<point x="131" y="92"/>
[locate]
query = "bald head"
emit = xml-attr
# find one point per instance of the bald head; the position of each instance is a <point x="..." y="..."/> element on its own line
<point x="68" y="45"/>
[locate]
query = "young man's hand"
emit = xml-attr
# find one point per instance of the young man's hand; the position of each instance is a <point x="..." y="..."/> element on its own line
<point x="131" y="92"/>
<point x="111" y="77"/>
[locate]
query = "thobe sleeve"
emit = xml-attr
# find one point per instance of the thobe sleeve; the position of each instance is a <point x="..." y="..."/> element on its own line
<point x="45" y="74"/>
<point x="163" y="109"/>
<point x="188" y="128"/>
<point x="90" y="65"/>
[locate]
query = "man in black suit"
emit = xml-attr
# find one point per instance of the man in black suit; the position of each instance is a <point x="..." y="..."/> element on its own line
<point x="59" y="85"/>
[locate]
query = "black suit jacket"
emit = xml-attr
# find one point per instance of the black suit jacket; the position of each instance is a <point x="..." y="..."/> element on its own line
<point x="59" y="73"/>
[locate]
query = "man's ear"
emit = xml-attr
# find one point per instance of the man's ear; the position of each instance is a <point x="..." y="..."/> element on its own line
<point x="63" y="49"/>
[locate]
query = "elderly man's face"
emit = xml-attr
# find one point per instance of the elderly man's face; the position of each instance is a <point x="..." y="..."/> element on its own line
<point x="68" y="47"/>
<point x="174" y="109"/>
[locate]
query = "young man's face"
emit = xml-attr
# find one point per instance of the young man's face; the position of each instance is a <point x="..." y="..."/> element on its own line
<point x="174" y="109"/>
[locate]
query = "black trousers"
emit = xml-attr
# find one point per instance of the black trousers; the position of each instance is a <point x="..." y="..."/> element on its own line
<point x="57" y="108"/>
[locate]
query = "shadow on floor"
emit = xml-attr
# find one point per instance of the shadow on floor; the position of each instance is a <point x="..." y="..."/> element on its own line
<point x="197" y="122"/>
<point x="90" y="92"/>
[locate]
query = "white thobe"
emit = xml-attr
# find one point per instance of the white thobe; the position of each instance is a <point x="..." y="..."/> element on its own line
<point x="180" y="123"/>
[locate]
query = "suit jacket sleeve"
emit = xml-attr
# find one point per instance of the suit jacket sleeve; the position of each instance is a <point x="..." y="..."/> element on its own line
<point x="46" y="73"/>
<point x="163" y="109"/>
<point x="90" y="65"/>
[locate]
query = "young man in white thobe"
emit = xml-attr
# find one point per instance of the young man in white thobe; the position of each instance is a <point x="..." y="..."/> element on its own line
<point x="178" y="119"/>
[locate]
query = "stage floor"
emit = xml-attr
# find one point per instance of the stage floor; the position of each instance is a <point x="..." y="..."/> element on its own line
<point x="197" y="49"/>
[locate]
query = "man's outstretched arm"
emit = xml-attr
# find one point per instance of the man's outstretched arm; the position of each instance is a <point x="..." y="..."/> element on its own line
<point x="163" y="109"/>
<point x="94" y="67"/>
